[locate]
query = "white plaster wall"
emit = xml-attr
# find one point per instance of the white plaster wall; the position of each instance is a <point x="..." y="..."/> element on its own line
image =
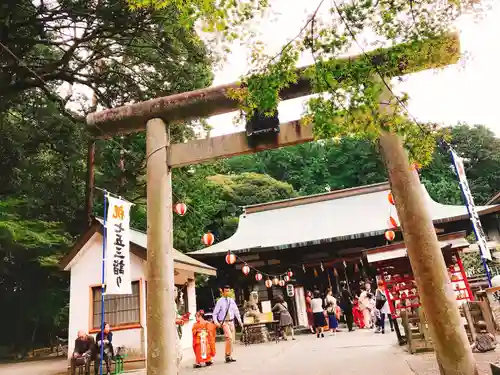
<point x="86" y="272"/>
<point x="187" y="338"/>
<point x="300" y="303"/>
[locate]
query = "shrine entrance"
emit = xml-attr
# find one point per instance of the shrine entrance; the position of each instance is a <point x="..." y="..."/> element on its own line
<point x="156" y="115"/>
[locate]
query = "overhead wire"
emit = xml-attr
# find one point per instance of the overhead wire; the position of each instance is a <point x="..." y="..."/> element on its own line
<point x="200" y="218"/>
<point x="441" y="141"/>
<point x="311" y="21"/>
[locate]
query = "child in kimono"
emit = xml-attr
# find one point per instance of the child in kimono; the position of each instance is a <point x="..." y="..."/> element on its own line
<point x="357" y="315"/>
<point x="203" y="340"/>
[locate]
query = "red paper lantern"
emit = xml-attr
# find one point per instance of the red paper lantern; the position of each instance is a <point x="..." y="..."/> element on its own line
<point x="230" y="258"/>
<point x="258" y="276"/>
<point x="208" y="239"/>
<point x="282" y="283"/>
<point x="245" y="270"/>
<point x="269" y="283"/>
<point x="276" y="281"/>
<point x="390" y="197"/>
<point x="287" y="278"/>
<point x="390" y="235"/>
<point x="289" y="274"/>
<point x="180" y="209"/>
<point x="392" y="223"/>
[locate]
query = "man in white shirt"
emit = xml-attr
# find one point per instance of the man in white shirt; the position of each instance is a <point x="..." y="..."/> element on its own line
<point x="224" y="313"/>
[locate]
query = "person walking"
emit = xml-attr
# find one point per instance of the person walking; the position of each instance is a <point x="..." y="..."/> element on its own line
<point x="224" y="314"/>
<point x="285" y="318"/>
<point x="318" y="314"/>
<point x="382" y="306"/>
<point x="331" y="310"/>
<point x="309" y="311"/>
<point x="347" y="305"/>
<point x="203" y="340"/>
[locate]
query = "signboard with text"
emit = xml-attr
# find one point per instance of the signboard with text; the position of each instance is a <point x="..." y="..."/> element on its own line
<point x="118" y="279"/>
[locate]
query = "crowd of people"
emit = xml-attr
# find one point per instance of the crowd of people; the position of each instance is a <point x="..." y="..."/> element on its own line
<point x="365" y="309"/>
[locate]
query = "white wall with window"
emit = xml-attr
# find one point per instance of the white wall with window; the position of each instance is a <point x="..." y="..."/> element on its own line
<point x="126" y="314"/>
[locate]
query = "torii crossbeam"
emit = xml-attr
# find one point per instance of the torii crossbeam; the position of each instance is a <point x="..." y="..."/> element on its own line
<point x="449" y="339"/>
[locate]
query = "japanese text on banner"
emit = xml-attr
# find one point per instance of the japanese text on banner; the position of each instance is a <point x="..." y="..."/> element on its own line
<point x="118" y="280"/>
<point x="469" y="201"/>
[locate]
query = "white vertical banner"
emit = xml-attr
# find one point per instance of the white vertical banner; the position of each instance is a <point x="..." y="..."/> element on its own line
<point x="118" y="279"/>
<point x="469" y="201"/>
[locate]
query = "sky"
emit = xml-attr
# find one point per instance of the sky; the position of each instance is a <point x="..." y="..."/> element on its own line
<point x="465" y="92"/>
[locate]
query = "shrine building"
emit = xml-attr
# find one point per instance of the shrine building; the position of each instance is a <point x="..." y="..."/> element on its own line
<point x="125" y="313"/>
<point x="337" y="236"/>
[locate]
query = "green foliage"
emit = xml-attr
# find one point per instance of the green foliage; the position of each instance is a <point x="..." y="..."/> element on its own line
<point x="215" y="200"/>
<point x="250" y="188"/>
<point x="316" y="167"/>
<point x="217" y="15"/>
<point x="260" y="92"/>
<point x="135" y="55"/>
<point x="349" y="89"/>
<point x="30" y="281"/>
<point x="479" y="146"/>
<point x="352" y="161"/>
<point x="121" y="55"/>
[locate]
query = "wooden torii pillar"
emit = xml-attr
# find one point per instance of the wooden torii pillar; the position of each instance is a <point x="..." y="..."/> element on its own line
<point x="450" y="341"/>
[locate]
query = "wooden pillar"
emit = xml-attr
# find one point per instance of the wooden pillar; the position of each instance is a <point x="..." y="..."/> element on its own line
<point x="437" y="297"/>
<point x="161" y="313"/>
<point x="89" y="188"/>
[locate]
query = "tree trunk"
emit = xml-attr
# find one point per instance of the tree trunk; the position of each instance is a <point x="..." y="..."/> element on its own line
<point x="438" y="300"/>
<point x="33" y="335"/>
<point x="161" y="315"/>
<point x="89" y="183"/>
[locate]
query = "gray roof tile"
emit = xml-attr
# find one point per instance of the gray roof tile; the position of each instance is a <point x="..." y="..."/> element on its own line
<point x="359" y="215"/>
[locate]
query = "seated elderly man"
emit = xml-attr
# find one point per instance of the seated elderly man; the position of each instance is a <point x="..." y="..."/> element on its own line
<point x="82" y="353"/>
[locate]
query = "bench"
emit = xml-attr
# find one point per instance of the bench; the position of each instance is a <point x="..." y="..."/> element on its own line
<point x="117" y="364"/>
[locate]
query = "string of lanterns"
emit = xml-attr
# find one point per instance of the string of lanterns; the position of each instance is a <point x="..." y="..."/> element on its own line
<point x="208" y="239"/>
<point x="280" y="280"/>
<point x="392" y="223"/>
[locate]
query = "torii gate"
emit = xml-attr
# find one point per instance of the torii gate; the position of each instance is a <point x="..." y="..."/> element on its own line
<point x="449" y="338"/>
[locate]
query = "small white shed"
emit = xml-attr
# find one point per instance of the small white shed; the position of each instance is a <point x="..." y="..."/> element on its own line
<point x="126" y="314"/>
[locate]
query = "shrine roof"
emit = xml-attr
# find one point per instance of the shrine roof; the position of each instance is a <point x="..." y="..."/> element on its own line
<point x="495" y="199"/>
<point x="323" y="218"/>
<point x="140" y="240"/>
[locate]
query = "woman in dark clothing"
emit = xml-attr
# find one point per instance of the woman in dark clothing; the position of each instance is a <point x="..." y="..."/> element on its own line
<point x="286" y="321"/>
<point x="104" y="340"/>
<point x="347" y="304"/>
<point x="318" y="314"/>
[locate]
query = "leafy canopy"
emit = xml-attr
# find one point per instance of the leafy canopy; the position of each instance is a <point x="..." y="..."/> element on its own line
<point x="53" y="55"/>
<point x="347" y="95"/>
